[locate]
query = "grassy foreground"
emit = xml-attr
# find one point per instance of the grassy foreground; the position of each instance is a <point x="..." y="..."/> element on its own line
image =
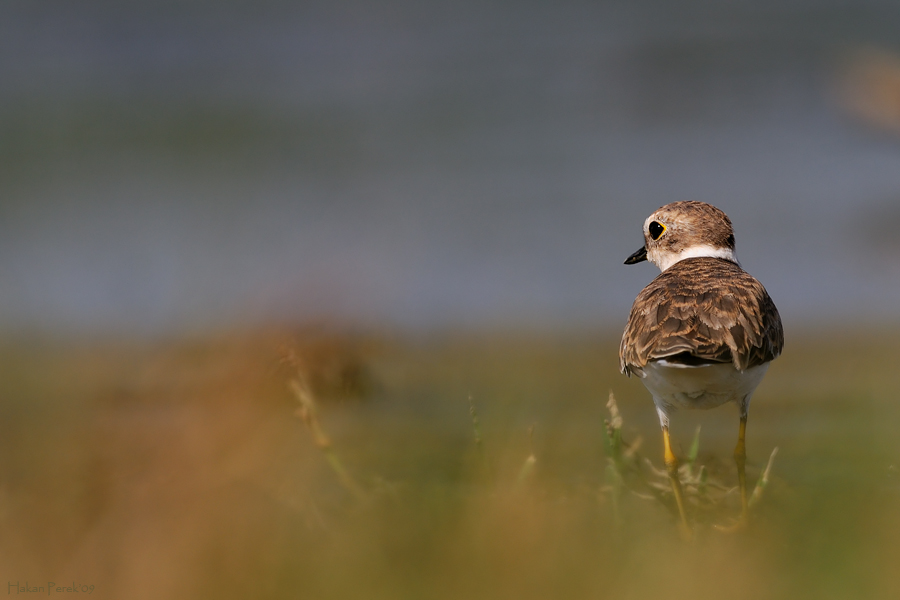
<point x="455" y="467"/>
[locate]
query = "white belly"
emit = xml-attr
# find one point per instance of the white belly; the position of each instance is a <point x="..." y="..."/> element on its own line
<point x="700" y="387"/>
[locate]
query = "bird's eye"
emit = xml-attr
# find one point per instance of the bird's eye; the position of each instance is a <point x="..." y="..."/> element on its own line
<point x="656" y="230"/>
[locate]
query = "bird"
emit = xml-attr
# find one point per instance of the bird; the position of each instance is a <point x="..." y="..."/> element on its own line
<point x="703" y="332"/>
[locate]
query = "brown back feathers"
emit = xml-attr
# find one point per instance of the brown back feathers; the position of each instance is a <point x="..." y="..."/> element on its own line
<point x="702" y="310"/>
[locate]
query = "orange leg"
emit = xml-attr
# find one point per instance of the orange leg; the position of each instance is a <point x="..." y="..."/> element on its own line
<point x="740" y="459"/>
<point x="672" y="467"/>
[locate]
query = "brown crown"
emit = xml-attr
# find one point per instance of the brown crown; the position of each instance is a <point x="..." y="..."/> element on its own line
<point x="690" y="223"/>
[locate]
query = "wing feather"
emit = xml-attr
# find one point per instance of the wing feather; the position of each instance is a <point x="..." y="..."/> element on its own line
<point x="703" y="309"/>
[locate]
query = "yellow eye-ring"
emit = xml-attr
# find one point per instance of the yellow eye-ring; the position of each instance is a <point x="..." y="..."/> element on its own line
<point x="656" y="230"/>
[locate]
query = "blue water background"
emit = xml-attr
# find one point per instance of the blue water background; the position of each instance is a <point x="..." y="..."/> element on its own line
<point x="187" y="166"/>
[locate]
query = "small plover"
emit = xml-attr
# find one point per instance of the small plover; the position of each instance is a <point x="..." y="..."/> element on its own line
<point x="704" y="331"/>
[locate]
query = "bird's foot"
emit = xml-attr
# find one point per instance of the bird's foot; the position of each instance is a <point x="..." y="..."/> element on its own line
<point x="738" y="525"/>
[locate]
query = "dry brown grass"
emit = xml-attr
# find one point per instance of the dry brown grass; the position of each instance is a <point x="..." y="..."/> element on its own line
<point x="183" y="470"/>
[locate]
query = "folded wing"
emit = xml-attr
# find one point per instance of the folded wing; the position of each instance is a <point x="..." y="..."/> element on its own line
<point x="701" y="311"/>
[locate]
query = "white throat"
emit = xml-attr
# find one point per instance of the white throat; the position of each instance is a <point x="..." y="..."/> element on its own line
<point x="664" y="260"/>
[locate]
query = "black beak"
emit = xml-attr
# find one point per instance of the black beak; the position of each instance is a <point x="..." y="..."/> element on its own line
<point x="639" y="256"/>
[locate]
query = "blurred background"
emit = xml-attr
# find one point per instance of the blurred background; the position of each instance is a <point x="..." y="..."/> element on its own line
<point x="416" y="214"/>
<point x="172" y="166"/>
